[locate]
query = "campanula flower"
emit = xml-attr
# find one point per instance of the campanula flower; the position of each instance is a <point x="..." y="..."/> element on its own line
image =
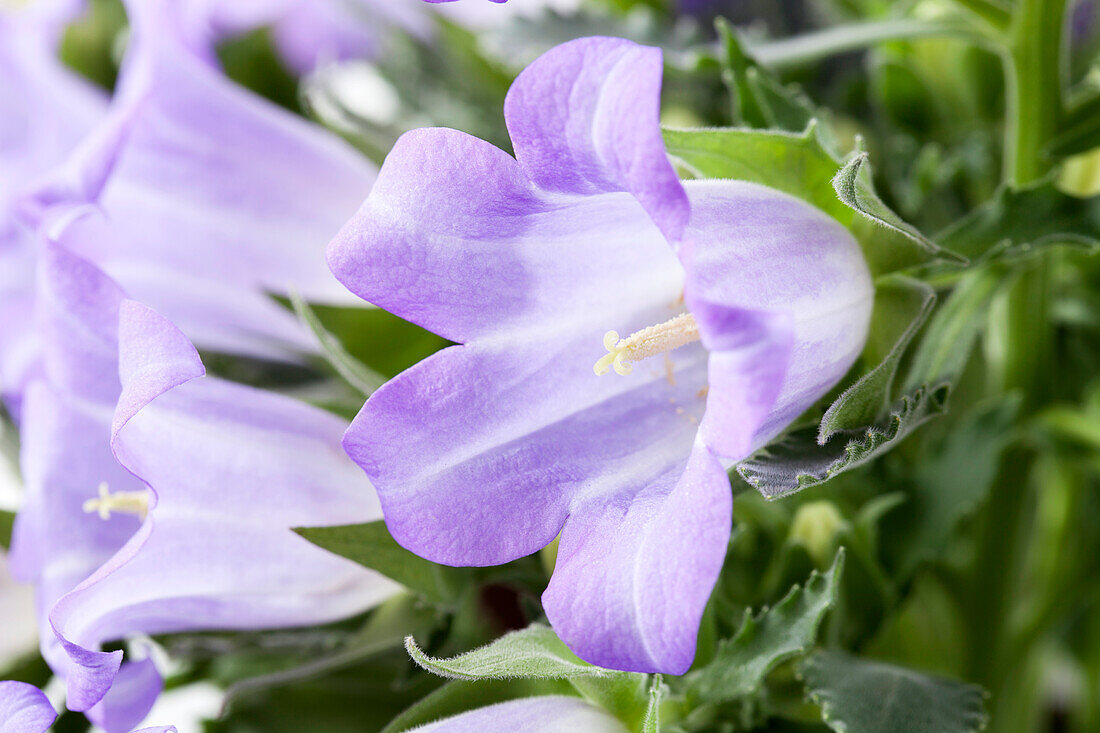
<point x="45" y="110"/>
<point x="622" y="337"/>
<point x="308" y="33"/>
<point x="25" y="709"/>
<point x="201" y="198"/>
<point x="160" y="500"/>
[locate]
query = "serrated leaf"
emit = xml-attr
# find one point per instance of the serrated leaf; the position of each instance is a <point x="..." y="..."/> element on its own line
<point x="535" y="652"/>
<point x="1018" y="220"/>
<point x="862" y="696"/>
<point x="899" y="302"/>
<point x="797" y="461"/>
<point x="908" y="246"/>
<point x="802" y="165"/>
<point x="372" y="546"/>
<point x="354" y="372"/>
<point x="763" y="641"/>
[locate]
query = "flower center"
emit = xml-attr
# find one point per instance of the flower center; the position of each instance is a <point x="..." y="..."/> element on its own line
<point x="622" y="353"/>
<point x="121" y="502"/>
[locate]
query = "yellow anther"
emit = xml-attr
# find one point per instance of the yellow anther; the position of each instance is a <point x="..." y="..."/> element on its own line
<point x="659" y="339"/>
<point x="122" y="502"/>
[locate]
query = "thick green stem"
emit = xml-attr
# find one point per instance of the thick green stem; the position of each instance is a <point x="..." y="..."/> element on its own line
<point x="1034" y="68"/>
<point x="1019" y="346"/>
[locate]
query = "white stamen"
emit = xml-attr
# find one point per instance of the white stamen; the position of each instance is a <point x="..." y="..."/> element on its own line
<point x="121" y="502"/>
<point x="659" y="339"/>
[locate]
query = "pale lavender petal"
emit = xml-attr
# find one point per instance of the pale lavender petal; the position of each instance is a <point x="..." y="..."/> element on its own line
<point x="797" y="282"/>
<point x="24" y="709"/>
<point x="204" y="193"/>
<point x="133" y="691"/>
<point x="465" y="214"/>
<point x="584" y="118"/>
<point x="549" y="714"/>
<point x="635" y="568"/>
<point x="231" y="469"/>
<point x="45" y="110"/>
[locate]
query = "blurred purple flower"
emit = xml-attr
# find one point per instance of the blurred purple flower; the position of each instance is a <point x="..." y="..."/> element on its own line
<point x="308" y="33"/>
<point x="192" y="530"/>
<point x="548" y="714"/>
<point x="484" y="452"/>
<point x="25" y="709"/>
<point x="200" y="198"/>
<point x="45" y="110"/>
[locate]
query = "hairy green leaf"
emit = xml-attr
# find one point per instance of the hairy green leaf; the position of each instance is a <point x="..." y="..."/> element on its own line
<point x="899" y="303"/>
<point x="862" y="696"/>
<point x="798" y="461"/>
<point x="372" y="546"/>
<point x="763" y="641"/>
<point x="537" y="653"/>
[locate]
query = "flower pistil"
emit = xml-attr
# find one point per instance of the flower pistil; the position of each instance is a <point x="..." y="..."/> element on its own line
<point x="121" y="502"/>
<point x="659" y="339"/>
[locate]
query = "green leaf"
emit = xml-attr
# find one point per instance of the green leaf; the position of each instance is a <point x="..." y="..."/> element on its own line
<point x="354" y="372"/>
<point x="906" y="245"/>
<point x="951" y="481"/>
<point x="535" y="652"/>
<point x="862" y="696"/>
<point x="802" y="165"/>
<point x="372" y="546"/>
<point x="947" y="342"/>
<point x="797" y="461"/>
<point x="759" y="99"/>
<point x="7" y="520"/>
<point x="1019" y="220"/>
<point x="899" y="302"/>
<point x="777" y="634"/>
<point x="458" y="696"/>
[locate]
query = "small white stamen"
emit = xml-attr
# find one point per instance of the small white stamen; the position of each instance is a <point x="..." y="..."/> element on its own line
<point x="121" y="502"/>
<point x="659" y="339"/>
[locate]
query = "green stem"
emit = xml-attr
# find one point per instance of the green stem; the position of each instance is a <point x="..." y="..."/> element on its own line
<point x="840" y="39"/>
<point x="1034" y="69"/>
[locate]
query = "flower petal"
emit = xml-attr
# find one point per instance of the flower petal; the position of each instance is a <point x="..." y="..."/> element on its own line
<point x="24" y="709"/>
<point x="548" y="433"/>
<point x="531" y="715"/>
<point x="584" y="118"/>
<point x="783" y="299"/>
<point x="492" y="254"/>
<point x="45" y="110"/>
<point x="201" y="192"/>
<point x="232" y="470"/>
<point x="635" y="568"/>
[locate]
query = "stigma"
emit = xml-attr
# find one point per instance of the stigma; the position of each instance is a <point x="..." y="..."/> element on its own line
<point x="664" y="337"/>
<point x="120" y="502"/>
